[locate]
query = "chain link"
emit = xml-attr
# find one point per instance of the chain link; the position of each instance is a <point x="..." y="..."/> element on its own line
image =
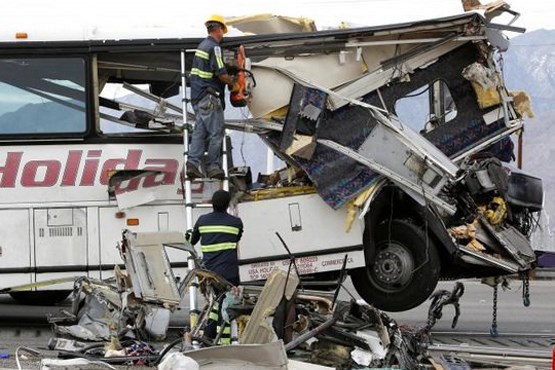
<point x="493" y="330"/>
<point x="525" y="289"/>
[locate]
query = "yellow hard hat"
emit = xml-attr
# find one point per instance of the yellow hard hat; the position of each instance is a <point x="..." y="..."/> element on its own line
<point x="217" y="18"/>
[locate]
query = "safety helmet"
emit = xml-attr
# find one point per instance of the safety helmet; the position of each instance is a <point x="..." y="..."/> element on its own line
<point x="216" y="18"/>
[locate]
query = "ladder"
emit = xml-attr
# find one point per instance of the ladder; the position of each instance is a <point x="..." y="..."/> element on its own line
<point x="189" y="204"/>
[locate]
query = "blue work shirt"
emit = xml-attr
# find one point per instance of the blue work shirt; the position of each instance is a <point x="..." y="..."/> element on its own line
<point x="208" y="64"/>
<point x="219" y="232"/>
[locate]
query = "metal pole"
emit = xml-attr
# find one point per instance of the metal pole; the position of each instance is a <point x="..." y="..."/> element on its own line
<point x="188" y="196"/>
<point x="224" y="163"/>
<point x="193" y="309"/>
<point x="519" y="155"/>
<point x="312" y="333"/>
<point x="269" y="161"/>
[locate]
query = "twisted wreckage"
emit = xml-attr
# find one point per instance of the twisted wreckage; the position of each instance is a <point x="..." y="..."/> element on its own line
<point x="398" y="146"/>
<point x="404" y="133"/>
<point x="399" y="141"/>
<point x="121" y="321"/>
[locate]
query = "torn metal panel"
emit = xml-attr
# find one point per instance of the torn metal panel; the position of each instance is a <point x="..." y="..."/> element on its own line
<point x="148" y="266"/>
<point x="271" y="24"/>
<point x="269" y="356"/>
<point x="379" y="77"/>
<point x="300" y="365"/>
<point x="402" y="181"/>
<point x="504" y="356"/>
<point x="512" y="242"/>
<point x="488" y="260"/>
<point x="129" y="190"/>
<point x="280" y="284"/>
<point x="269" y="79"/>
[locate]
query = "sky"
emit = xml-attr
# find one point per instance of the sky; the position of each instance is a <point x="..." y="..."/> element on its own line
<point x="65" y="16"/>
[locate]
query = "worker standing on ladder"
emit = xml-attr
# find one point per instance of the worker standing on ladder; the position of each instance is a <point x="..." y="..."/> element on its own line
<point x="219" y="232"/>
<point x="208" y="79"/>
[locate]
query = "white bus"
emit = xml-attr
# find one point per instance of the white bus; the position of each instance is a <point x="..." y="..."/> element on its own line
<point x="390" y="130"/>
<point x="61" y="141"/>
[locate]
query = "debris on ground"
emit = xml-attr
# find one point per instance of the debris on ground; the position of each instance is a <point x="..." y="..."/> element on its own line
<point x="277" y="326"/>
<point x="124" y="320"/>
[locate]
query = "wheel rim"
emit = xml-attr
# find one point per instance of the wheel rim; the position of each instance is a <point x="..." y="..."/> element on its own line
<point x="392" y="268"/>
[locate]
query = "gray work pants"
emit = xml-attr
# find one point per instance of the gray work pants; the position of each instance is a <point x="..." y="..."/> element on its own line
<point x="209" y="131"/>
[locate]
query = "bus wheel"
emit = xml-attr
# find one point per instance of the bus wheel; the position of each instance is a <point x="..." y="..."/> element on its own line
<point x="405" y="269"/>
<point x="41" y="297"/>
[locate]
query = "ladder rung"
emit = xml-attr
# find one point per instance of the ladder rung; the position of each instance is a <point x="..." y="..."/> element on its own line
<point x="199" y="205"/>
<point x="205" y="179"/>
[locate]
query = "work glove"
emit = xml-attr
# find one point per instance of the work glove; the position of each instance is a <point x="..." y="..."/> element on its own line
<point x="235" y="87"/>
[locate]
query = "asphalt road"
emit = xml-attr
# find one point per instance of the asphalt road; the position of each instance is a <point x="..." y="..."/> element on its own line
<point x="476" y="309"/>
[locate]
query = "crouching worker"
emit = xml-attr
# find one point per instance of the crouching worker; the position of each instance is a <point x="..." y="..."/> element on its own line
<point x="219" y="232"/>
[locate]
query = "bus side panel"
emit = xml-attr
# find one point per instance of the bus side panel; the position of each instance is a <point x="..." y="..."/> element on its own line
<point x="61" y="247"/>
<point x="151" y="218"/>
<point x="305" y="222"/>
<point x="15" y="247"/>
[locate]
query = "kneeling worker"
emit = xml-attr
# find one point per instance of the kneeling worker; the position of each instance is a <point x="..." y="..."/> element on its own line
<point x="219" y="233"/>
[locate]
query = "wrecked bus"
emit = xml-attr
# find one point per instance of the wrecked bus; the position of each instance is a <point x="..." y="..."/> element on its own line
<point x="396" y="139"/>
<point x="404" y="133"/>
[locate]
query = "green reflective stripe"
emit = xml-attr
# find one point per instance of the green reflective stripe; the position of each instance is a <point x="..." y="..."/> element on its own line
<point x="225" y="339"/>
<point x="213" y="316"/>
<point x="218" y="247"/>
<point x="202" y="74"/>
<point x="219" y="229"/>
<point x="202" y="54"/>
<point x="219" y="62"/>
<point x="218" y="54"/>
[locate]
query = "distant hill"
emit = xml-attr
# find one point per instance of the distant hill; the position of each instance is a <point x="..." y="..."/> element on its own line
<point x="529" y="65"/>
<point x="42" y="117"/>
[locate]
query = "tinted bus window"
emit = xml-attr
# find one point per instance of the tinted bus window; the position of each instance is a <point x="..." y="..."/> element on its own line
<point x="42" y="96"/>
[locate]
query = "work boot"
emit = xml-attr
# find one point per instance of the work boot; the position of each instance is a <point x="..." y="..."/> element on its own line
<point x="216" y="173"/>
<point x="193" y="172"/>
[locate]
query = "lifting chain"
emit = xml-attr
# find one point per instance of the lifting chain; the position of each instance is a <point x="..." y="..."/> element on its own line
<point x="525" y="288"/>
<point x="493" y="331"/>
<point x="440" y="299"/>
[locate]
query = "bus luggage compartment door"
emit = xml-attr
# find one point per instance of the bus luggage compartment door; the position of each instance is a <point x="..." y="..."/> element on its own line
<point x="60" y="243"/>
<point x="15" y="250"/>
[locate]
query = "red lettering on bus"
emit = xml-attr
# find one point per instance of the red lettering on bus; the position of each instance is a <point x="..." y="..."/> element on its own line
<point x="52" y="172"/>
<point x="72" y="166"/>
<point x="10" y="169"/>
<point x="49" y="172"/>
<point x="91" y="167"/>
<point x="169" y="167"/>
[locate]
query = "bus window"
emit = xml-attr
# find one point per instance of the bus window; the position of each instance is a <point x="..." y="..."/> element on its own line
<point x="146" y="114"/>
<point x="427" y="107"/>
<point x="42" y="96"/>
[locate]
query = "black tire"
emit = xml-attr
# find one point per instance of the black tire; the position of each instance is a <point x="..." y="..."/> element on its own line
<point x="404" y="271"/>
<point x="41" y="297"/>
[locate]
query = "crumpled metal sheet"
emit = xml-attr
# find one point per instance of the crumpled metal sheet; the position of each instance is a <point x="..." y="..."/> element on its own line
<point x="270" y="356"/>
<point x="94" y="323"/>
